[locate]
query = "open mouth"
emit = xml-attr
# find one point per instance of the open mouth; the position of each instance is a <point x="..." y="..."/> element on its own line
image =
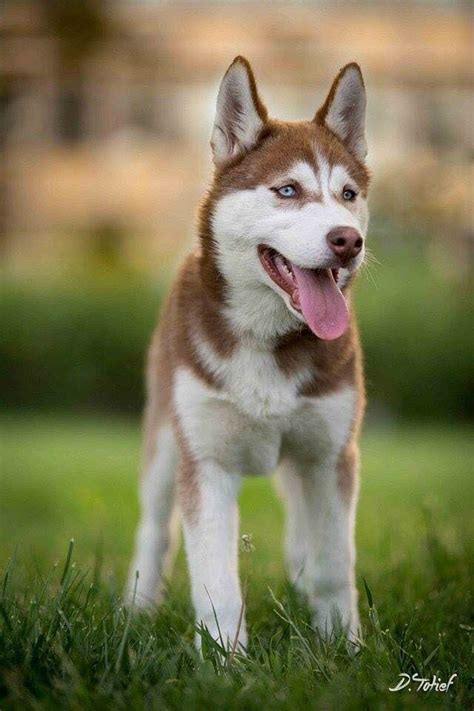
<point x="313" y="292"/>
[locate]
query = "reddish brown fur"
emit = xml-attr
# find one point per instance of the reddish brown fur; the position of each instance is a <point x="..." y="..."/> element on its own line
<point x="282" y="144"/>
<point x="346" y="470"/>
<point x="348" y="458"/>
<point x="188" y="490"/>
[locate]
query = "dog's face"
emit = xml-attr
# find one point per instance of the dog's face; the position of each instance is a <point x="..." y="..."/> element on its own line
<point x="289" y="210"/>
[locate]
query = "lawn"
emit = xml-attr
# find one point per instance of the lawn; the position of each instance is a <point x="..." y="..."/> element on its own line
<point x="65" y="641"/>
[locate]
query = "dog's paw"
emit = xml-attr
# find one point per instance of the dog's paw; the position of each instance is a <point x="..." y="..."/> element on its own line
<point x="336" y="613"/>
<point x="228" y="635"/>
<point x="140" y="596"/>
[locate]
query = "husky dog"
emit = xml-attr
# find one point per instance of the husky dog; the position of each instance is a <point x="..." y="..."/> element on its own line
<point x="256" y="366"/>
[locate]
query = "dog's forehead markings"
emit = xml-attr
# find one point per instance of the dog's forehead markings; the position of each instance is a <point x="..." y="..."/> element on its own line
<point x="332" y="178"/>
<point x="324" y="172"/>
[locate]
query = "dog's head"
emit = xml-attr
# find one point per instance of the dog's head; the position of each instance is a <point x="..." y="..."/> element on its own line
<point x="288" y="210"/>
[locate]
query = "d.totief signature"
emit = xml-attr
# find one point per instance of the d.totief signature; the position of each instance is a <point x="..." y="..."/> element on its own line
<point x="423" y="683"/>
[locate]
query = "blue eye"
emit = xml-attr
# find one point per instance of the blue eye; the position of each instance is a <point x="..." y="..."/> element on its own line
<point x="349" y="194"/>
<point x="287" y="191"/>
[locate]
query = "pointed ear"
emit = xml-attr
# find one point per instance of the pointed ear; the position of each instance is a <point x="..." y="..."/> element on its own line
<point x="240" y="115"/>
<point x="343" y="112"/>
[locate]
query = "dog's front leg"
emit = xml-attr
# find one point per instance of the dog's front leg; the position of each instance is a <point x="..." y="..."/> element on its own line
<point x="209" y="503"/>
<point x="330" y="495"/>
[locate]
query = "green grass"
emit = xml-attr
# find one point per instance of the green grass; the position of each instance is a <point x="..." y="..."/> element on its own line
<point x="66" y="642"/>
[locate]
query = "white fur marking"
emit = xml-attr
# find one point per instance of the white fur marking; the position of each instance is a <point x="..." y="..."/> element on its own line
<point x="305" y="175"/>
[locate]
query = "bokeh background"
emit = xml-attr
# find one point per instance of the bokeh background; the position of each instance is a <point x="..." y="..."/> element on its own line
<point x="106" y="109"/>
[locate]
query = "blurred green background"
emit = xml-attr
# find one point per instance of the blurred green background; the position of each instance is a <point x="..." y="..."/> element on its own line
<point x="79" y="344"/>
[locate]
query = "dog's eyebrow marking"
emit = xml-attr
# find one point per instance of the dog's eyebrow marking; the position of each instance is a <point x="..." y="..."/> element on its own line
<point x="306" y="176"/>
<point x="339" y="177"/>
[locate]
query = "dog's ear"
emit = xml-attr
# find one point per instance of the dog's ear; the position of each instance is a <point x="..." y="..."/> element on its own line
<point x="343" y="112"/>
<point x="240" y="115"/>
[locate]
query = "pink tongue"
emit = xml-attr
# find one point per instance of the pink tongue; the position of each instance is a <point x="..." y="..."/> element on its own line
<point x="322" y="303"/>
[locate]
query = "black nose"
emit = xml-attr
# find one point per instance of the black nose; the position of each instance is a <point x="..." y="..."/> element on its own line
<point x="345" y="242"/>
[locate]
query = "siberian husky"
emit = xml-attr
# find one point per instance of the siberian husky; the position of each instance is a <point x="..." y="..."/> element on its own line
<point x="256" y="365"/>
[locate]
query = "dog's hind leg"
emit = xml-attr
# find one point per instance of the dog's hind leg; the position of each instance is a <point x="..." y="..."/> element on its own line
<point x="157" y="532"/>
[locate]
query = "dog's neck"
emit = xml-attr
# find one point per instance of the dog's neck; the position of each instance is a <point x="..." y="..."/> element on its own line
<point x="256" y="312"/>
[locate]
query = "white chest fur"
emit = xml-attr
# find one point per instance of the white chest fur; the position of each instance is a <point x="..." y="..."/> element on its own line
<point x="256" y="413"/>
<point x="252" y="381"/>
